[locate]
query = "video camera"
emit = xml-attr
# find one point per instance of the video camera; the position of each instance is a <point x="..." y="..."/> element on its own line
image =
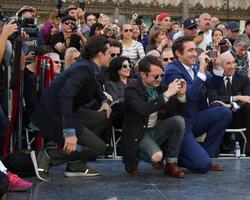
<point x="139" y="20"/>
<point x="60" y="11"/>
<point x="28" y="25"/>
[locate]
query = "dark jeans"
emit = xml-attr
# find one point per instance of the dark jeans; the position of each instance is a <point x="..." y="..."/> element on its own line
<point x="92" y="124"/>
<point x="165" y="136"/>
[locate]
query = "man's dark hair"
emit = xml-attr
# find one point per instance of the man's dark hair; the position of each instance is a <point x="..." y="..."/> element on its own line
<point x="178" y="44"/>
<point x="96" y="26"/>
<point x="94" y="45"/>
<point x="146" y="62"/>
<point x="42" y="50"/>
<point x="115" y="43"/>
<point x="88" y="14"/>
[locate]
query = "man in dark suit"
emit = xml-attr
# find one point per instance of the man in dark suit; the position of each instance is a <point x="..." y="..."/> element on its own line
<point x="199" y="117"/>
<point x="60" y="118"/>
<point x="234" y="93"/>
<point x="143" y="134"/>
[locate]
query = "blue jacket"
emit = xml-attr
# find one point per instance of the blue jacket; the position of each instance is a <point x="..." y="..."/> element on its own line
<point x="196" y="89"/>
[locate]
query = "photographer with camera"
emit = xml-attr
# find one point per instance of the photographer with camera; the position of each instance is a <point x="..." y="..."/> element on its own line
<point x="28" y="23"/>
<point x="5" y="54"/>
<point x="69" y="37"/>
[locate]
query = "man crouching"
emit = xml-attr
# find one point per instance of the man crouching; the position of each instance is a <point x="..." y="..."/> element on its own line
<point x="144" y="136"/>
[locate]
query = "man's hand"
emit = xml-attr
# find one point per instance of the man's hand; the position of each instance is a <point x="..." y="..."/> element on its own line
<point x="10" y="28"/>
<point x="182" y="91"/>
<point x="173" y="88"/>
<point x="70" y="144"/>
<point x="241" y="98"/>
<point x="30" y="56"/>
<point x="60" y="47"/>
<point x="105" y="107"/>
<point x="198" y="39"/>
<point x="109" y="97"/>
<point x="203" y="60"/>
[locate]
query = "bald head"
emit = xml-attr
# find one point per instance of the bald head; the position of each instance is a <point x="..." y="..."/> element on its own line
<point x="154" y="53"/>
<point x="227" y="63"/>
<point x="204" y="22"/>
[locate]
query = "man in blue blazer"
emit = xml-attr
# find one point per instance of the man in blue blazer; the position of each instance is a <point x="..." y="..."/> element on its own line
<point x="199" y="117"/>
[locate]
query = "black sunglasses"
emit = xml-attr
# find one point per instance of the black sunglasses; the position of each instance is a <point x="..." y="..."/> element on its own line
<point x="115" y="54"/>
<point x="68" y="23"/>
<point x="157" y="76"/>
<point x="192" y="28"/>
<point x="168" y="59"/>
<point x="56" y="62"/>
<point x="125" y="66"/>
<point x="128" y="30"/>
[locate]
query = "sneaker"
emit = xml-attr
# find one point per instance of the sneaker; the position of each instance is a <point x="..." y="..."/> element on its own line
<point x="41" y="164"/>
<point x="18" y="184"/>
<point x="76" y="169"/>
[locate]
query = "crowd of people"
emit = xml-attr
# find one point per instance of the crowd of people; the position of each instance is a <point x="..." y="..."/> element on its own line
<point x="172" y="88"/>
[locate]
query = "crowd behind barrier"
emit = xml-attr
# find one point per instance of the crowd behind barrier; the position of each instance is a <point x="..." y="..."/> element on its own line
<point x="80" y="76"/>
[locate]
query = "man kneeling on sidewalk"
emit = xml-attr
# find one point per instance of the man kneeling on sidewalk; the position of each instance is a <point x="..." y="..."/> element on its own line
<point x="61" y="118"/>
<point x="144" y="136"/>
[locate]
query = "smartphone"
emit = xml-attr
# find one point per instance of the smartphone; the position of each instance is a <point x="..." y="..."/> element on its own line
<point x="212" y="54"/>
<point x="200" y="32"/>
<point x="181" y="82"/>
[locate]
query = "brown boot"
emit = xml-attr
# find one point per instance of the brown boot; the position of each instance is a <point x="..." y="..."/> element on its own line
<point x="132" y="170"/>
<point x="158" y="165"/>
<point x="174" y="171"/>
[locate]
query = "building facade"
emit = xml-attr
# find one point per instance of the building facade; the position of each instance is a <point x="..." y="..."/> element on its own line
<point x="226" y="10"/>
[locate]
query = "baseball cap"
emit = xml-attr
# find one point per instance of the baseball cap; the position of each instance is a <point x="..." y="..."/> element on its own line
<point x="233" y="26"/>
<point x="68" y="17"/>
<point x="161" y="16"/>
<point x="189" y="23"/>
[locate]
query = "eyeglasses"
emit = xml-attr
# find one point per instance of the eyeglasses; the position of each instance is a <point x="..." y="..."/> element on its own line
<point x="125" y="66"/>
<point x="168" y="59"/>
<point x="68" y="23"/>
<point x="56" y="62"/>
<point x="157" y="76"/>
<point x="115" y="54"/>
<point x="192" y="28"/>
<point x="128" y="30"/>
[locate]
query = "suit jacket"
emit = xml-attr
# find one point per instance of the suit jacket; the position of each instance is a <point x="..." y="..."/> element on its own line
<point x="240" y="86"/>
<point x="196" y="89"/>
<point x="137" y="111"/>
<point x="73" y="88"/>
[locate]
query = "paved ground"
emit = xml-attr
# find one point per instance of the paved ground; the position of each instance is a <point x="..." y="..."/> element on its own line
<point x="115" y="184"/>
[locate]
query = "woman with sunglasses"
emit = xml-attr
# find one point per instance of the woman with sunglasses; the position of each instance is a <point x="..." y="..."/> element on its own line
<point x="120" y="70"/>
<point x="131" y="48"/>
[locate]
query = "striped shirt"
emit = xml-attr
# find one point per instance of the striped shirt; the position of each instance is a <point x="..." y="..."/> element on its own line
<point x="135" y="52"/>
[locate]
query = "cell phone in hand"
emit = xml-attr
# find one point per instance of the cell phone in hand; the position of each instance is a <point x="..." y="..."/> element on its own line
<point x="212" y="54"/>
<point x="200" y="33"/>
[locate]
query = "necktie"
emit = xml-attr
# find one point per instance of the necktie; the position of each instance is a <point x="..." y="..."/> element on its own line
<point x="191" y="73"/>
<point x="228" y="87"/>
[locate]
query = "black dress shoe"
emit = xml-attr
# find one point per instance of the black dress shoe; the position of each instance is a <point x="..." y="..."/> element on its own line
<point x="132" y="170"/>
